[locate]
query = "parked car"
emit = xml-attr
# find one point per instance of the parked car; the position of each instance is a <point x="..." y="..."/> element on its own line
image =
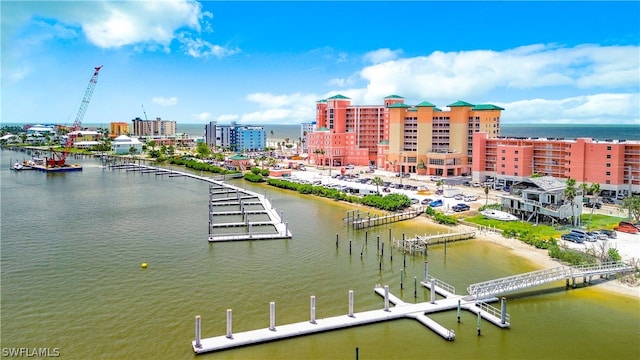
<point x="468" y="198"/>
<point x="414" y="201"/>
<point x="598" y="235"/>
<point x="590" y="205"/>
<point x="627" y="227"/>
<point x="572" y="237"/>
<point x="608" y="200"/>
<point x="460" y="207"/>
<point x="583" y="234"/>
<point x="426" y="201"/>
<point x="439" y="192"/>
<point x="436" y="203"/>
<point x="610" y="233"/>
<point x="459" y="197"/>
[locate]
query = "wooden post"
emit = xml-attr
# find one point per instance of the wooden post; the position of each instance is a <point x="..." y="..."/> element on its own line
<point x="198" y="344"/>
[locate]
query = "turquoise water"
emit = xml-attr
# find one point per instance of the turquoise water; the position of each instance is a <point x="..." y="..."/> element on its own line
<point x="72" y="245"/>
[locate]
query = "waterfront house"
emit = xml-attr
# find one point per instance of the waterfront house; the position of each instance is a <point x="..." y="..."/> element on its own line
<point x="123" y="144"/>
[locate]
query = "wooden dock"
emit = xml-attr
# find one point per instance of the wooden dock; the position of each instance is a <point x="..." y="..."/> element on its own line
<point x="359" y="220"/>
<point x="420" y="243"/>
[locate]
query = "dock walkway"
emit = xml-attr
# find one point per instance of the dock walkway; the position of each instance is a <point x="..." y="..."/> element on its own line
<point x="226" y="200"/>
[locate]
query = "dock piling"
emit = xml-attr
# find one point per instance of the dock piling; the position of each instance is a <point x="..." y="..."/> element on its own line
<point x="313" y="309"/>
<point x="415" y="287"/>
<point x="479" y="322"/>
<point x="401" y="279"/>
<point x="433" y="290"/>
<point x="272" y="316"/>
<point x="386" y="298"/>
<point x="503" y="311"/>
<point x="351" y="303"/>
<point x="458" y="310"/>
<point x="198" y="343"/>
<point x="426" y="270"/>
<point x="229" y="324"/>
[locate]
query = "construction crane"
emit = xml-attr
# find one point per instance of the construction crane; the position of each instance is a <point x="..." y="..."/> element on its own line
<point x="60" y="158"/>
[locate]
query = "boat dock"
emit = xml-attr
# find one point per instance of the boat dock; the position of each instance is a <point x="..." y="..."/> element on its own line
<point x="420" y="243"/>
<point x="235" y="214"/>
<point x="360" y="220"/>
<point x="399" y="310"/>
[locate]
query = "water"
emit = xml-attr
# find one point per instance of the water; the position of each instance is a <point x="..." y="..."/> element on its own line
<point x="567" y="131"/>
<point x="72" y="245"/>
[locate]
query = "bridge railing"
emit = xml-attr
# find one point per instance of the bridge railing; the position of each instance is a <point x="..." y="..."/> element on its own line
<point x="492" y="310"/>
<point x="441" y="284"/>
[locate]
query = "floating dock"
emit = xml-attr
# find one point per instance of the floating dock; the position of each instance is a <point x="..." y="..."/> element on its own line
<point x="400" y="310"/>
<point x="420" y="243"/>
<point x="235" y="214"/>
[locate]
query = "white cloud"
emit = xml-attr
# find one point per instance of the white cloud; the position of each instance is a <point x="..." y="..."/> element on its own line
<point x="606" y="108"/>
<point x="474" y="74"/>
<point x="382" y="55"/>
<point x="224" y="118"/>
<point x="165" y="101"/>
<point x="144" y="25"/>
<point x="281" y="109"/>
<point x="203" y="116"/>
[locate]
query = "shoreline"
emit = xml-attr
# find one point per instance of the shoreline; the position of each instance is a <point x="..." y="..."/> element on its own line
<point x="535" y="255"/>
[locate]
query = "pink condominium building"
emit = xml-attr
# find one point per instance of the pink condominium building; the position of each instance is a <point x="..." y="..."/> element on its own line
<point x="398" y="137"/>
<point x="463" y="141"/>
<point x="614" y="164"/>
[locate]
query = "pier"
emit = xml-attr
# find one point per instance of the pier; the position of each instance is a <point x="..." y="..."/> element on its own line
<point x="235" y="214"/>
<point x="358" y="220"/>
<point x="399" y="310"/>
<point x="476" y="302"/>
<point x="420" y="243"/>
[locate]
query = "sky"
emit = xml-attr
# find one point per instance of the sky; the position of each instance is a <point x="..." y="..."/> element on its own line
<point x="265" y="63"/>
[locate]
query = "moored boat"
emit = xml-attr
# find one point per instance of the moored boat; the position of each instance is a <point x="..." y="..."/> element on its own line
<point x="498" y="215"/>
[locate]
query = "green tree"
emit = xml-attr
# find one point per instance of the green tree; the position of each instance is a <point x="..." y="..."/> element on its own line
<point x="633" y="204"/>
<point x="570" y="193"/>
<point x="133" y="150"/>
<point x="377" y="181"/>
<point x="486" y="194"/>
<point x="595" y="190"/>
<point x="203" y="149"/>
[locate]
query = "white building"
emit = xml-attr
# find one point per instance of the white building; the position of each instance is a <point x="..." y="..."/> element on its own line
<point x="123" y="144"/>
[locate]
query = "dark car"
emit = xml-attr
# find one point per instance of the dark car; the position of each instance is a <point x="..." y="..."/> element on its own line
<point x="460" y="207"/>
<point x="590" y="205"/>
<point x="572" y="237"/>
<point x="426" y="201"/>
<point x="610" y="233"/>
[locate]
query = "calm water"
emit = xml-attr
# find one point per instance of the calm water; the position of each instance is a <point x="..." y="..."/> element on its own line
<point x="72" y="245"/>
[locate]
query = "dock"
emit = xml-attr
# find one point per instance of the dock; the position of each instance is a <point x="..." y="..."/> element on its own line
<point x="419" y="243"/>
<point x="399" y="310"/>
<point x="359" y="220"/>
<point x="235" y="214"/>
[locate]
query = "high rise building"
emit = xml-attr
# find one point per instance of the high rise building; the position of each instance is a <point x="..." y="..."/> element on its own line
<point x="235" y="137"/>
<point x="157" y="127"/>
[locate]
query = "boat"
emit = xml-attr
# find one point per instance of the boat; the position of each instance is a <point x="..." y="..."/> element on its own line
<point x="498" y="215"/>
<point x="17" y="166"/>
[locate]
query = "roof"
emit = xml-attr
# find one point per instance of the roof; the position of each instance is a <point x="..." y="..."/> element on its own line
<point x="322" y="129"/>
<point x="338" y="97"/>
<point x="398" y="105"/>
<point x="238" y="157"/>
<point x="548" y="183"/>
<point x="425" y="104"/>
<point x="486" y="107"/>
<point x="394" y="97"/>
<point x="460" y="103"/>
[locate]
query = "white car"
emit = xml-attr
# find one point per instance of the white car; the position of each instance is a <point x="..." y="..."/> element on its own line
<point x="468" y="198"/>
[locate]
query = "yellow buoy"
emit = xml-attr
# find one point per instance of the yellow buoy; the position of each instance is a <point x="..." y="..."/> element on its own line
<point x="144" y="265"/>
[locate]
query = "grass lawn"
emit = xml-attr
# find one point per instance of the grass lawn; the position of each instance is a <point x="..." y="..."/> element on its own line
<point x="544" y="231"/>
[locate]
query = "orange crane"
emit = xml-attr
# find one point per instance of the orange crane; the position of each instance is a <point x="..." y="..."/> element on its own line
<point x="60" y="158"/>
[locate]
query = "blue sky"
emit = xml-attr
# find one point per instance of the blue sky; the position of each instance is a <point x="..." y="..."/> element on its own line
<point x="269" y="62"/>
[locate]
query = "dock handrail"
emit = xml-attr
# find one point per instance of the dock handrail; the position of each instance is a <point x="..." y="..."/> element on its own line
<point x="492" y="310"/>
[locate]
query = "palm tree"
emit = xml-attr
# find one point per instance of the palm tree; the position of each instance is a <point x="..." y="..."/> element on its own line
<point x="486" y="194"/>
<point x="570" y="193"/>
<point x="377" y="181"/>
<point x="595" y="190"/>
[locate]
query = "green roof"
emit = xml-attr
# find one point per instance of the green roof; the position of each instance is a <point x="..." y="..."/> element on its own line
<point x="437" y="109"/>
<point x="322" y="101"/>
<point x="394" y="97"/>
<point x="384" y="142"/>
<point x="238" y="157"/>
<point x="460" y="103"/>
<point x="399" y="105"/>
<point x="322" y="129"/>
<point x="425" y="104"/>
<point x="486" y="107"/>
<point x="338" y="97"/>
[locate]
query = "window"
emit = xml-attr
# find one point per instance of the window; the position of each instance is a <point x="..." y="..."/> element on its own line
<point x="608" y="147"/>
<point x="608" y="173"/>
<point x="516" y="152"/>
<point x="608" y="165"/>
<point x="516" y="159"/>
<point x="515" y="166"/>
<point x="504" y="151"/>
<point x="608" y="156"/>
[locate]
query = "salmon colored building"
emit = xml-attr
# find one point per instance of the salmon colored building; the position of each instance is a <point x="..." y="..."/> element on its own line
<point x="614" y="164"/>
<point x="118" y="128"/>
<point x="398" y="137"/>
